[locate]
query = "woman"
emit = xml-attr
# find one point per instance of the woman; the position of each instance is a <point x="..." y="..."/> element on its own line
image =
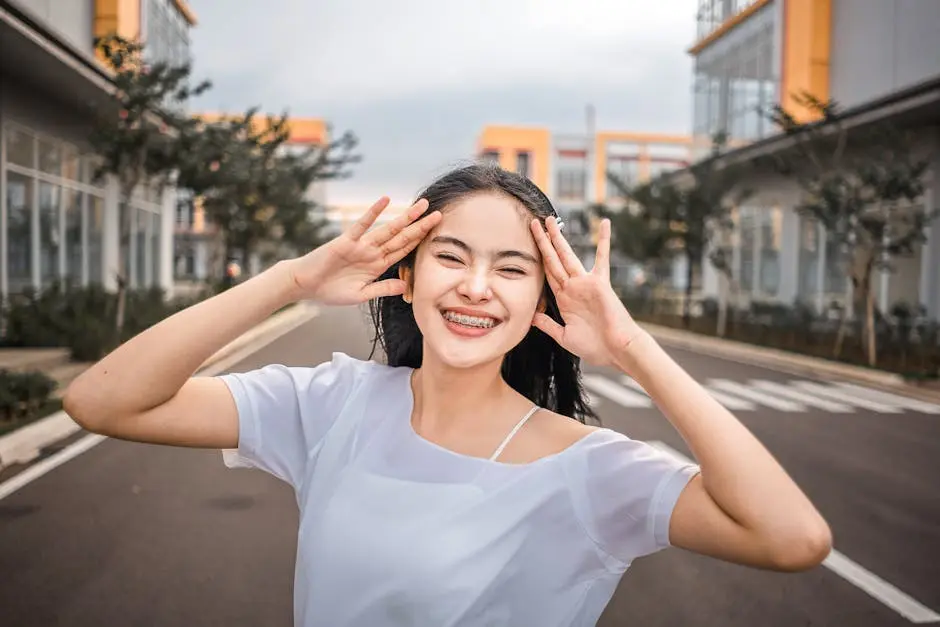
<point x="459" y="484"/>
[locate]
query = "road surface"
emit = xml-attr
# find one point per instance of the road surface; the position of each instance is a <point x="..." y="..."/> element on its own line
<point x="130" y="534"/>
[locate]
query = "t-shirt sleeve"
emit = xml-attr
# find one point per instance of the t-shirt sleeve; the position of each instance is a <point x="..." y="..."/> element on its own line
<point x="624" y="491"/>
<point x="284" y="413"/>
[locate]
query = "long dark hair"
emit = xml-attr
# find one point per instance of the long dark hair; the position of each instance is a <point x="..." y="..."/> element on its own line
<point x="537" y="367"/>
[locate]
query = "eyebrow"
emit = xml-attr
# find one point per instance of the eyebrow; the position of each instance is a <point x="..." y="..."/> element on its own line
<point x="446" y="239"/>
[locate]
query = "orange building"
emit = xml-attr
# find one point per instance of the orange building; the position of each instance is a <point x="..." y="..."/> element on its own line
<point x="753" y="54"/>
<point x="574" y="169"/>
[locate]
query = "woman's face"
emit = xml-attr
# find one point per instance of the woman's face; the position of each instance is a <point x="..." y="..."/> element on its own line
<point x="477" y="282"/>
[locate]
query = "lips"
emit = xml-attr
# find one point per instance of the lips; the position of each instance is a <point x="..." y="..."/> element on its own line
<point x="469" y="323"/>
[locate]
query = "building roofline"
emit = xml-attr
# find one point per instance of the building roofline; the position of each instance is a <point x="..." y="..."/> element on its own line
<point x="186" y="11"/>
<point x="54" y="42"/>
<point x="726" y="26"/>
<point x="919" y="94"/>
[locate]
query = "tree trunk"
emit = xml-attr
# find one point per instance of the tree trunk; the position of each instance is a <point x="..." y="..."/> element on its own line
<point x="722" y="304"/>
<point x="687" y="305"/>
<point x="124" y="230"/>
<point x="870" y="323"/>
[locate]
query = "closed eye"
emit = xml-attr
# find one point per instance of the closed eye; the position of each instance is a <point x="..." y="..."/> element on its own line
<point x="513" y="270"/>
<point x="448" y="257"/>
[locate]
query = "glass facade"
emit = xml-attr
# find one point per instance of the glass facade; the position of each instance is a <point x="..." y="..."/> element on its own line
<point x="167" y="33"/>
<point x="55" y="217"/>
<point x="54" y="226"/>
<point x="571" y="177"/>
<point x="713" y="13"/>
<point x="736" y="82"/>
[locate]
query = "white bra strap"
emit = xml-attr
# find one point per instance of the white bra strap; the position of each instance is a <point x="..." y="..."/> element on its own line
<point x="513" y="432"/>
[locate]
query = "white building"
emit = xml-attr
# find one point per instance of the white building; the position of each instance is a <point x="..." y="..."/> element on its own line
<point x="55" y="223"/>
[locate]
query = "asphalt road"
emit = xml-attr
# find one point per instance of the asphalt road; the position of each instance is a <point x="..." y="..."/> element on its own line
<point x="130" y="534"/>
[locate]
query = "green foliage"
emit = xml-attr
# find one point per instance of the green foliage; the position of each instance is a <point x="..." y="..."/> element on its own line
<point x="679" y="214"/>
<point x="23" y="394"/>
<point x="255" y="188"/>
<point x="79" y="318"/>
<point x="865" y="185"/>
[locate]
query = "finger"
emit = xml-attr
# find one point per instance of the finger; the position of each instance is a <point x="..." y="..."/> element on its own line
<point x="602" y="258"/>
<point x="548" y="326"/>
<point x="388" y="287"/>
<point x="568" y="258"/>
<point x="406" y="241"/>
<point x="394" y="227"/>
<point x="554" y="270"/>
<point x="359" y="228"/>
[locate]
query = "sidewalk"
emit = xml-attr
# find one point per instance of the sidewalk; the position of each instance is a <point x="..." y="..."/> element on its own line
<point x="25" y="444"/>
<point x="785" y="361"/>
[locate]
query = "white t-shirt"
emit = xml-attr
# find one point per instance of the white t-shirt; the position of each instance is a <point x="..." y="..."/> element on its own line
<point x="396" y="530"/>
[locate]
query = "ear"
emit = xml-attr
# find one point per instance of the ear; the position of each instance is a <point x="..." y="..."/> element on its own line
<point x="542" y="306"/>
<point x="405" y="274"/>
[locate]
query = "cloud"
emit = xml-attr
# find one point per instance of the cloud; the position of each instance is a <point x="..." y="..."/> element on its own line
<point x="417" y="79"/>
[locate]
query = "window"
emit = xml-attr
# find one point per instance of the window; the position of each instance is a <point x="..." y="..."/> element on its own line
<point x="735" y="81"/>
<point x="19" y="231"/>
<point x="167" y="33"/>
<point x="808" y="259"/>
<point x="747" y="233"/>
<point x="491" y="156"/>
<point x="771" y="222"/>
<point x="623" y="169"/>
<point x="571" y="185"/>
<point x="522" y="163"/>
<point x="52" y="203"/>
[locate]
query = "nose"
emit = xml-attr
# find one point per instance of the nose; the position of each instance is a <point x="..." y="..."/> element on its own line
<point x="474" y="286"/>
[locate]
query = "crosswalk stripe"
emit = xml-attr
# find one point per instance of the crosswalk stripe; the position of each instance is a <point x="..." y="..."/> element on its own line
<point x="880" y="396"/>
<point x="845" y="397"/>
<point x="801" y="397"/>
<point x="757" y="396"/>
<point x="730" y="402"/>
<point x="615" y="392"/>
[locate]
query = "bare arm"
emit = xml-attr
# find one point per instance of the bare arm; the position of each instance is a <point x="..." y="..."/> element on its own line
<point x="743" y="507"/>
<point x="145" y="390"/>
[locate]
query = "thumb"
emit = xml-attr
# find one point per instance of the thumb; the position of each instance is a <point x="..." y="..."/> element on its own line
<point x="548" y="326"/>
<point x="388" y="287"/>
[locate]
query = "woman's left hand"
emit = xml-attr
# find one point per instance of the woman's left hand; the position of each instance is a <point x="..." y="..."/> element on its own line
<point x="596" y="324"/>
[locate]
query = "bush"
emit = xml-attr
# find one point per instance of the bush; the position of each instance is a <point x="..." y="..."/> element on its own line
<point x="23" y="394"/>
<point x="82" y="319"/>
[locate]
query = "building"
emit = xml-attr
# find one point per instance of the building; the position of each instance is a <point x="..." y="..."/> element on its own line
<point x="574" y="169"/>
<point x="55" y="222"/>
<point x="879" y="60"/>
<point x="199" y="253"/>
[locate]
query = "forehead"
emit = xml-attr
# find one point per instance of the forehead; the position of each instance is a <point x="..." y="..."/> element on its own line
<point x="491" y="220"/>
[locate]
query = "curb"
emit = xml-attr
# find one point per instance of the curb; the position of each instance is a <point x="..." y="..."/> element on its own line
<point x="25" y="444"/>
<point x="785" y="361"/>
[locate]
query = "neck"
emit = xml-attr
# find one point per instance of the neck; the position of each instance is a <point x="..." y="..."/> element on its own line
<point x="451" y="399"/>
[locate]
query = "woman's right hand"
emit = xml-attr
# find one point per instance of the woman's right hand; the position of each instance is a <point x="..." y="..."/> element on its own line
<point x="343" y="271"/>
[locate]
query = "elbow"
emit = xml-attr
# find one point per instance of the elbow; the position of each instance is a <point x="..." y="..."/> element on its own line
<point x="78" y="409"/>
<point x="804" y="550"/>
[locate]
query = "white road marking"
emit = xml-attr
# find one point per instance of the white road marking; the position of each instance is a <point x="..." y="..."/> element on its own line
<point x="725" y="399"/>
<point x="845" y="397"/>
<point x="875" y="586"/>
<point x="53" y="461"/>
<point x="802" y="397"/>
<point x="615" y="392"/>
<point x="730" y="402"/>
<point x="880" y="396"/>
<point x="756" y="396"/>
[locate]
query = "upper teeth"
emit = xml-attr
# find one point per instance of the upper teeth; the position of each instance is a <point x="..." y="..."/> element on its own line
<point x="469" y="320"/>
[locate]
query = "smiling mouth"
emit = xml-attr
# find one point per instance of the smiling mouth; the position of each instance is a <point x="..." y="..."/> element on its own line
<point x="472" y="322"/>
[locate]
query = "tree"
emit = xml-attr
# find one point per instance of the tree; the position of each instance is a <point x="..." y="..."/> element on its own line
<point x="255" y="189"/>
<point x="683" y="211"/>
<point x="136" y="138"/>
<point x="863" y="184"/>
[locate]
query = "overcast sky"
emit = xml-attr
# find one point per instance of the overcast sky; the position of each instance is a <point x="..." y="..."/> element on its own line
<point x="416" y="80"/>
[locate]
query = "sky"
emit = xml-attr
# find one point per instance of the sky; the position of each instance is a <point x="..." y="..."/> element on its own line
<point x="417" y="80"/>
